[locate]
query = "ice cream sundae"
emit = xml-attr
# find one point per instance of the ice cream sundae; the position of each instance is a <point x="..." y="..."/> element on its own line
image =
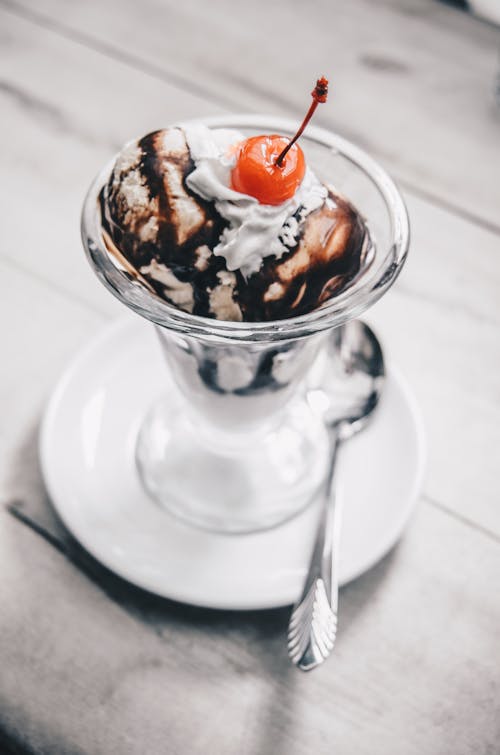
<point x="245" y="256"/>
<point x="229" y="227"/>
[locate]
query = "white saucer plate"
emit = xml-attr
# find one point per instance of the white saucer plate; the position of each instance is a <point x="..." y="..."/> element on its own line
<point x="87" y="448"/>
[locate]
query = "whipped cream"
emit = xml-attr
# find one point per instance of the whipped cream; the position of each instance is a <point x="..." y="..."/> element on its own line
<point x="255" y="230"/>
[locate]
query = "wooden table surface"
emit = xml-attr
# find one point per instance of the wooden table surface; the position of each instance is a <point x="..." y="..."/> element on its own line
<point x="89" y="664"/>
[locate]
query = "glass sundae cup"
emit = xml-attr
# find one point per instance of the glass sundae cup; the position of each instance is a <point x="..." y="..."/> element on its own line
<point x="234" y="445"/>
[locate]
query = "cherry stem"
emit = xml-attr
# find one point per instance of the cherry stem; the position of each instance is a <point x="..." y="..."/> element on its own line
<point x="319" y="94"/>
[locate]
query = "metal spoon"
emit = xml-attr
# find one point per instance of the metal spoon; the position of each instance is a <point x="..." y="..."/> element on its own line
<point x="347" y="404"/>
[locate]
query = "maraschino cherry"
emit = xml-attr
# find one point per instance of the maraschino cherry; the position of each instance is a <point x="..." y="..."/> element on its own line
<point x="271" y="167"/>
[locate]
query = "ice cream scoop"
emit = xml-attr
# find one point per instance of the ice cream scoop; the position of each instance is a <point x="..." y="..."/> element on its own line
<point x="230" y="257"/>
<point x="192" y="214"/>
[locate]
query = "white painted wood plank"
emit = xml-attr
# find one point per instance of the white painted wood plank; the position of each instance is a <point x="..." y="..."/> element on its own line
<point x="415" y="666"/>
<point x="414" y="670"/>
<point x="443" y="314"/>
<point x="49" y="161"/>
<point x="412" y="81"/>
<point x="65" y="113"/>
<point x="42" y="328"/>
<point x="452" y="365"/>
<point x="440" y="324"/>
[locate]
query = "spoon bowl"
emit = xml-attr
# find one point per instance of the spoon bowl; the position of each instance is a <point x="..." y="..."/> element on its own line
<point x="359" y="376"/>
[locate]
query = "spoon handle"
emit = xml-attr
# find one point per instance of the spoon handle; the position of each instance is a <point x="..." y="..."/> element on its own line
<point x="313" y="623"/>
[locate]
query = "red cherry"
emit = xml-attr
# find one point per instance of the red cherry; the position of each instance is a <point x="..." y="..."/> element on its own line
<point x="271" y="168"/>
<point x="257" y="174"/>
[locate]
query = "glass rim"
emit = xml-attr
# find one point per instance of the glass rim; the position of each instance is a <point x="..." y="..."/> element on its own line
<point x="350" y="303"/>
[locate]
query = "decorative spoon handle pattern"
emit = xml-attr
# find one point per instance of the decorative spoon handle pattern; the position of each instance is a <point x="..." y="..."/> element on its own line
<point x="313" y="623"/>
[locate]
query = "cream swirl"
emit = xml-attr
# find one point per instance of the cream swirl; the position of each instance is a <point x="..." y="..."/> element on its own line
<point x="255" y="230"/>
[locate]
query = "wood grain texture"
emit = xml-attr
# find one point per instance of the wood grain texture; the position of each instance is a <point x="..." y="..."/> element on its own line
<point x="92" y="665"/>
<point x="98" y="667"/>
<point x="61" y="122"/>
<point x="412" y="81"/>
<point x="449" y="287"/>
<point x="42" y="329"/>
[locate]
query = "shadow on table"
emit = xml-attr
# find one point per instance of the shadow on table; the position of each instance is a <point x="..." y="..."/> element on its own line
<point x="255" y="639"/>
